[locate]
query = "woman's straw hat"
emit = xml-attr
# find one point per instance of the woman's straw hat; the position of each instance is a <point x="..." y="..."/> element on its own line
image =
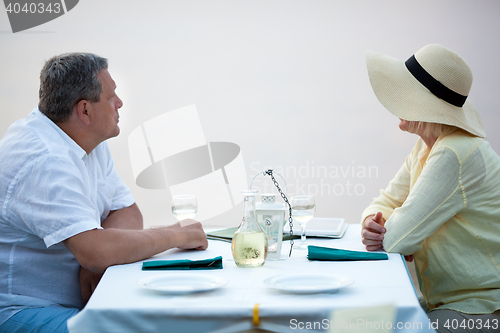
<point x="432" y="86"/>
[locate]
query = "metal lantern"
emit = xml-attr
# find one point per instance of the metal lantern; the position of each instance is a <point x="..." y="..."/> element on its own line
<point x="271" y="218"/>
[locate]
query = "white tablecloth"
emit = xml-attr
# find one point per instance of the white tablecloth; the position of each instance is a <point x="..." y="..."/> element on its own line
<point x="120" y="305"/>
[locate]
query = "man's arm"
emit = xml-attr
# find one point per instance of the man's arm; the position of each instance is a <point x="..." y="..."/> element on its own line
<point x="98" y="249"/>
<point x="125" y="218"/>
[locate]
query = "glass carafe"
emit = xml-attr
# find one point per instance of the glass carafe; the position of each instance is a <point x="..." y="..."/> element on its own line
<point x="249" y="244"/>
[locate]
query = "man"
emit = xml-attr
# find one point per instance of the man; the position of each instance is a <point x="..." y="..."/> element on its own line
<point x="66" y="215"/>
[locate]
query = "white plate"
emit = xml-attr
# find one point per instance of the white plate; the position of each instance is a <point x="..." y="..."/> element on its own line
<point x="308" y="283"/>
<point x="181" y="283"/>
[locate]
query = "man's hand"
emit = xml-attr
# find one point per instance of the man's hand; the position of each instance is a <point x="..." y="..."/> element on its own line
<point x="88" y="283"/>
<point x="372" y="232"/>
<point x="195" y="237"/>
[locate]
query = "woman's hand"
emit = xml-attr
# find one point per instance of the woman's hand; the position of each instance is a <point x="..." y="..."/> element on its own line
<point x="409" y="258"/>
<point x="372" y="232"/>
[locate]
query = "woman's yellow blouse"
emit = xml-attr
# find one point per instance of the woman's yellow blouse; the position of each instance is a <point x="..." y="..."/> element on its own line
<point x="443" y="206"/>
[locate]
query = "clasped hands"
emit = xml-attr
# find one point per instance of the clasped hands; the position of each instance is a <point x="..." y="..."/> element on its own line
<point x="372" y="233"/>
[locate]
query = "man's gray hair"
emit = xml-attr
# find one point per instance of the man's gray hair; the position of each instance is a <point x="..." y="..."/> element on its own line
<point x="67" y="79"/>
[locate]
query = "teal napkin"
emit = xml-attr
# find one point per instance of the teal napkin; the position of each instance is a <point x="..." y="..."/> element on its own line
<point x="184" y="264"/>
<point x="326" y="253"/>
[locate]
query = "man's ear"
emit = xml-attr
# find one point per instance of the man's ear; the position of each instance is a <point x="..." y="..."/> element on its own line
<point x="83" y="112"/>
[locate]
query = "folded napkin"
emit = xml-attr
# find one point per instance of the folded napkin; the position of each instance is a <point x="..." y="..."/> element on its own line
<point x="226" y="235"/>
<point x="184" y="264"/>
<point x="326" y="253"/>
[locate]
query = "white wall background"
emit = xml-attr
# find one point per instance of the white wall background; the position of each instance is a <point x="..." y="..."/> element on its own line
<point x="284" y="79"/>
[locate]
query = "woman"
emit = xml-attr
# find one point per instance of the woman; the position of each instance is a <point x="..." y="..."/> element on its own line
<point x="442" y="208"/>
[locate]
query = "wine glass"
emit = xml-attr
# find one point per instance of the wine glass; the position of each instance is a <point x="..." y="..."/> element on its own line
<point x="184" y="206"/>
<point x="303" y="209"/>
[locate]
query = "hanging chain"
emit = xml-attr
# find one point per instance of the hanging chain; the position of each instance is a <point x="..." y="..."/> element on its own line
<point x="290" y="220"/>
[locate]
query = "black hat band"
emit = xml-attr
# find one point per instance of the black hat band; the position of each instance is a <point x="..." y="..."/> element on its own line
<point x="435" y="87"/>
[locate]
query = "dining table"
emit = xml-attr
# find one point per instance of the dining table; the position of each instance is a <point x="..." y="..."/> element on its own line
<point x="373" y="295"/>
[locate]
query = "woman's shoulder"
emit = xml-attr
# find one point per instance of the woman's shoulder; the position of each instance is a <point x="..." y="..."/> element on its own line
<point x="463" y="144"/>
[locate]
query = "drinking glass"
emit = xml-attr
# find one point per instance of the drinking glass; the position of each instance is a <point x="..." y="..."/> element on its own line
<point x="303" y="209"/>
<point x="184" y="206"/>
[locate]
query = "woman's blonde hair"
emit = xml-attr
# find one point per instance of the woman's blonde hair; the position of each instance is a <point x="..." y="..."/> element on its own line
<point x="428" y="129"/>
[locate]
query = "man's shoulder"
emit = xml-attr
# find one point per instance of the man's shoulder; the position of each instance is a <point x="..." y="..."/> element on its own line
<point x="23" y="139"/>
<point x="30" y="141"/>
